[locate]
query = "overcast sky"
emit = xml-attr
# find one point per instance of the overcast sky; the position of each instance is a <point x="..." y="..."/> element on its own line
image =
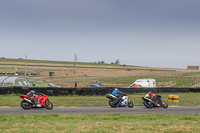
<point x="153" y="33"/>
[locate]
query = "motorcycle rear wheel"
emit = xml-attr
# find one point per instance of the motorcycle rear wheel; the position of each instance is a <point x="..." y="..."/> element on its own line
<point x="25" y="104"/>
<point x="48" y="105"/>
<point x="164" y="105"/>
<point x="130" y="104"/>
<point x="148" y="104"/>
<point x="112" y="103"/>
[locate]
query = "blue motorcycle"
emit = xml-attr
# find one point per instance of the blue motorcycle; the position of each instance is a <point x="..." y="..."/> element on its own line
<point x="118" y="101"/>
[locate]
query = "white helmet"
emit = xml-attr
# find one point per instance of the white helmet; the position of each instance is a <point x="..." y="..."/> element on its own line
<point x="116" y="89"/>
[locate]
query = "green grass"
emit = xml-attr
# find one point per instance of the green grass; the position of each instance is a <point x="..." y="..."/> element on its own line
<point x="77" y="101"/>
<point x="72" y="63"/>
<point x="191" y="74"/>
<point x="34" y="61"/>
<point x="180" y="81"/>
<point x="104" y="123"/>
<point x="124" y="68"/>
<point x="53" y="62"/>
<point x="123" y="79"/>
<point x="6" y="70"/>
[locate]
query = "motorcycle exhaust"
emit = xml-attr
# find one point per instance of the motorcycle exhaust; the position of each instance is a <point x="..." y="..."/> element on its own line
<point x="27" y="100"/>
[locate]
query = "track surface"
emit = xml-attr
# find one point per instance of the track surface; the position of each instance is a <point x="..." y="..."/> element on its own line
<point x="104" y="110"/>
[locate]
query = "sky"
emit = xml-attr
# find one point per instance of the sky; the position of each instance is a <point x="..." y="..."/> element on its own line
<point x="152" y="33"/>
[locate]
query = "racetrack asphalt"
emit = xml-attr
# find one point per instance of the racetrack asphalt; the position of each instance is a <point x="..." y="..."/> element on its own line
<point x="103" y="110"/>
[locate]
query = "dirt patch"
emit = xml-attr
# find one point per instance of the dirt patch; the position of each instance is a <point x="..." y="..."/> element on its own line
<point x="109" y="72"/>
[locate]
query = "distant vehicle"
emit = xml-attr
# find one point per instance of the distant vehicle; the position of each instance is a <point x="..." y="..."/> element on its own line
<point x="143" y="83"/>
<point x="52" y="85"/>
<point x="97" y="85"/>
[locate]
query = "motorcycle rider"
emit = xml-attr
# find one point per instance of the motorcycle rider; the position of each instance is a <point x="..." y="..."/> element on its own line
<point x="118" y="94"/>
<point x="152" y="96"/>
<point x="31" y="95"/>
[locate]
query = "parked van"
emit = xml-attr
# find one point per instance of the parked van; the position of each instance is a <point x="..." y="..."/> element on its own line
<point x="144" y="83"/>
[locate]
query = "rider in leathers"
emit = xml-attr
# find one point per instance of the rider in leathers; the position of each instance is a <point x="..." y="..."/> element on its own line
<point x="31" y="95"/>
<point x="152" y="96"/>
<point x="118" y="94"/>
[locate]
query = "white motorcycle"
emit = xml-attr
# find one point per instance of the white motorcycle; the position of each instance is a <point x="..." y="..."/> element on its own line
<point x="118" y="101"/>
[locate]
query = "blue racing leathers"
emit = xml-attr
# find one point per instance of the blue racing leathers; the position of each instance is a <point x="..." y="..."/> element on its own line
<point x="117" y="92"/>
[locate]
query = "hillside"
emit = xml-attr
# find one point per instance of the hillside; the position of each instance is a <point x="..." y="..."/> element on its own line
<point x="88" y="73"/>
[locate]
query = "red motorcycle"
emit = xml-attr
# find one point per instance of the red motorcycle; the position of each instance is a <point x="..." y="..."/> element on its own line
<point x="42" y="102"/>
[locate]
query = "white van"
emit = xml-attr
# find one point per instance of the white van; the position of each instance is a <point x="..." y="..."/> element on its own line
<point x="144" y="83"/>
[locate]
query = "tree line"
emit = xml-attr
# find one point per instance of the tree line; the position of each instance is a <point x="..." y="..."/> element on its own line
<point x="103" y="62"/>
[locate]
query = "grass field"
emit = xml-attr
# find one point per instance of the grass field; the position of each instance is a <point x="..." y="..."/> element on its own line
<point x="77" y="101"/>
<point x="112" y="75"/>
<point x="100" y="123"/>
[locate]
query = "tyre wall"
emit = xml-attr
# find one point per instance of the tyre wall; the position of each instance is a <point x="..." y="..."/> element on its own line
<point x="92" y="91"/>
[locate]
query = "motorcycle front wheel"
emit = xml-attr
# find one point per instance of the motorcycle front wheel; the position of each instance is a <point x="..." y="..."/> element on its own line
<point x="25" y="104"/>
<point x="48" y="105"/>
<point x="112" y="103"/>
<point x="130" y="104"/>
<point x="164" y="105"/>
<point x="148" y="104"/>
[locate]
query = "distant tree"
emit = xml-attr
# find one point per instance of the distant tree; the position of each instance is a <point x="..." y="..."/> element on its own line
<point x="102" y="62"/>
<point x="111" y="63"/>
<point x="117" y="61"/>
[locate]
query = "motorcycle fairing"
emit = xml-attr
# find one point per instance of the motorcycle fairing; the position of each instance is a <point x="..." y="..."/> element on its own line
<point x="23" y="96"/>
<point x="41" y="100"/>
<point x="122" y="104"/>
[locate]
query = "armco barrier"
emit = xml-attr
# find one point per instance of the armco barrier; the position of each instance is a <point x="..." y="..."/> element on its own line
<point x="92" y="91"/>
<point x="3" y="90"/>
<point x="194" y="89"/>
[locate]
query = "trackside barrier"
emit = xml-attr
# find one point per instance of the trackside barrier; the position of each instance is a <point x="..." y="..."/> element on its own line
<point x="92" y="91"/>
<point x="170" y="98"/>
<point x="173" y="98"/>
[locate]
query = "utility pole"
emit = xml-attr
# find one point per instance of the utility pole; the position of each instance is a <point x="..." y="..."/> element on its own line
<point x="25" y="64"/>
<point x="75" y="61"/>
